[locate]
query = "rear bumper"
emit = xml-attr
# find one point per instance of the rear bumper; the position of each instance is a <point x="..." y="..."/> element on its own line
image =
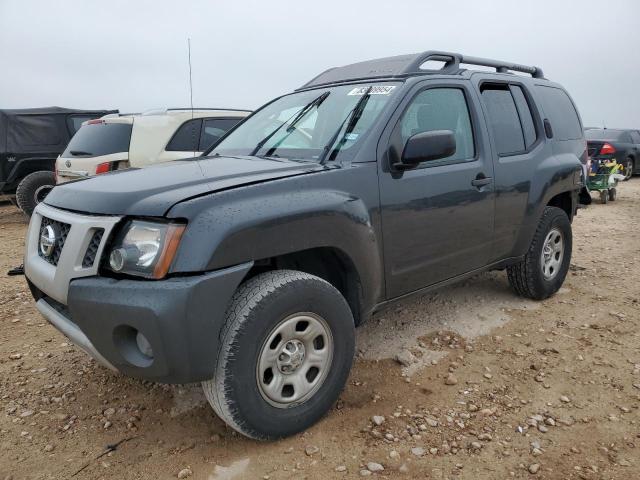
<point x="180" y="318"/>
<point x="64" y="176"/>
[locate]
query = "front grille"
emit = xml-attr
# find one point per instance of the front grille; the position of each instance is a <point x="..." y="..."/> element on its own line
<point x="90" y="256"/>
<point x="62" y="230"/>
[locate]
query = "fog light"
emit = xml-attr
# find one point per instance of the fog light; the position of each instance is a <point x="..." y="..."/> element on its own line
<point x="117" y="258"/>
<point x="144" y="345"/>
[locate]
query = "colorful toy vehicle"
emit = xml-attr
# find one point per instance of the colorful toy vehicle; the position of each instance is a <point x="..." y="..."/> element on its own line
<point x="604" y="176"/>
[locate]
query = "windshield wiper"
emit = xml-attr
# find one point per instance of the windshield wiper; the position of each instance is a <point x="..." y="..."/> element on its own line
<point x="293" y="119"/>
<point x="79" y="152"/>
<point x="353" y="118"/>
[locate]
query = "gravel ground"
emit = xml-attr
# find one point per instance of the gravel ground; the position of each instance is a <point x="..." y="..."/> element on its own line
<point x="470" y="382"/>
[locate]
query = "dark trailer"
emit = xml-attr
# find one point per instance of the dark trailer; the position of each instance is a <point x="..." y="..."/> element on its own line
<point x="30" y="141"/>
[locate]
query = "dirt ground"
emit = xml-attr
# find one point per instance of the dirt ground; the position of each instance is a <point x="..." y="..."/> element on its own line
<point x="493" y="387"/>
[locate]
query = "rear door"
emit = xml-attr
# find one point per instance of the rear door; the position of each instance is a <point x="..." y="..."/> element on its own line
<point x="437" y="219"/>
<point x="99" y="142"/>
<point x="515" y="128"/>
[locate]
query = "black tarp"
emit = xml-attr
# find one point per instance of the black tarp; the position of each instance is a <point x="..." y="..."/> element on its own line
<point x="39" y="129"/>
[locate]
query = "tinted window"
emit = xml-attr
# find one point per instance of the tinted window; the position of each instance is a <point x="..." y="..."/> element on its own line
<point x="635" y="136"/>
<point x="602" y="134"/>
<point x="214" y="129"/>
<point x="503" y="119"/>
<point x="440" y="109"/>
<point x="187" y="138"/>
<point x="626" y="137"/>
<point x="524" y="112"/>
<point x="75" y="122"/>
<point x="560" y="111"/>
<point x="99" y="139"/>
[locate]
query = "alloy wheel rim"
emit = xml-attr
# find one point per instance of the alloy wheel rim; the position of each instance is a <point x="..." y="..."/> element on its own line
<point x="552" y="254"/>
<point x="294" y="360"/>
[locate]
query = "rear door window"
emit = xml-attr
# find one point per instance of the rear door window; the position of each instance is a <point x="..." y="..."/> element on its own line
<point x="635" y="137"/>
<point x="526" y="118"/>
<point x="561" y="112"/>
<point x="504" y="120"/>
<point x="214" y="129"/>
<point x="99" y="139"/>
<point x="186" y="138"/>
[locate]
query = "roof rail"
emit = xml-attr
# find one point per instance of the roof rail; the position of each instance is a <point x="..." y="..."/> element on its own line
<point x="211" y="108"/>
<point x="403" y="66"/>
<point x="453" y="61"/>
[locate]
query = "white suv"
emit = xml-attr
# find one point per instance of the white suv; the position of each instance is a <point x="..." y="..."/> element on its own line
<point x="119" y="141"/>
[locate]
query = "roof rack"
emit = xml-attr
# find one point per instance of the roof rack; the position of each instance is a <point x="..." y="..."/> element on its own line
<point x="403" y="66"/>
<point x="163" y="111"/>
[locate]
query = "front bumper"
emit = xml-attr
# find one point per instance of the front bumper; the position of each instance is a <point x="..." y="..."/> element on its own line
<point x="180" y="318"/>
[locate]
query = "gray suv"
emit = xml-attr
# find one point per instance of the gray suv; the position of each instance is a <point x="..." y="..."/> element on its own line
<point x="248" y="268"/>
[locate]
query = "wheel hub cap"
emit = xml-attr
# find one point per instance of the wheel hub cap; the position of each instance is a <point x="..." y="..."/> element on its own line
<point x="291" y="356"/>
<point x="552" y="254"/>
<point x="294" y="360"/>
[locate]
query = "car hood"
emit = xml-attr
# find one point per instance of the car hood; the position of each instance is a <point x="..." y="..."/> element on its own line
<point x="153" y="190"/>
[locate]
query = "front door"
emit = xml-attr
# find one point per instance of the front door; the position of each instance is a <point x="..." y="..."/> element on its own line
<point x="438" y="218"/>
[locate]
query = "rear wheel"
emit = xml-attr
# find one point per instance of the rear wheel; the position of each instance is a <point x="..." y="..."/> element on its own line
<point x="613" y="194"/>
<point x="33" y="189"/>
<point x="285" y="354"/>
<point x="628" y="168"/>
<point x="543" y="270"/>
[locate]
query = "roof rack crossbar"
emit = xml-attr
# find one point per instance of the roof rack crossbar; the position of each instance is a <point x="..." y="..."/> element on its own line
<point x="503" y="67"/>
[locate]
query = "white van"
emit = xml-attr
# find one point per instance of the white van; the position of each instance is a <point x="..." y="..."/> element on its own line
<point x="120" y="141"/>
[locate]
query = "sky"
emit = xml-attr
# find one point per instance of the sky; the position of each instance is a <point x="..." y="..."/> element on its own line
<point x="132" y="54"/>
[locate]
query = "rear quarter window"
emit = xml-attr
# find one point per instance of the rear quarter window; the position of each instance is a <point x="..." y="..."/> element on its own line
<point x="561" y="112"/>
<point x="99" y="139"/>
<point x="36" y="130"/>
<point x="186" y="138"/>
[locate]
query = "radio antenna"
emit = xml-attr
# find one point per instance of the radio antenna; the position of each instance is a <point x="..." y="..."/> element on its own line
<point x="191" y="97"/>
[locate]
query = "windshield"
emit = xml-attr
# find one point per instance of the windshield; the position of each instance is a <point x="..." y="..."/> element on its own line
<point x="604" y="134"/>
<point x="303" y="125"/>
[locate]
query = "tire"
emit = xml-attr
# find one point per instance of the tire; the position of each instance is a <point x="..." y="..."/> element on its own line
<point x="628" y="168"/>
<point x="527" y="277"/>
<point x="613" y="194"/>
<point x="604" y="196"/>
<point x="33" y="188"/>
<point x="238" y="390"/>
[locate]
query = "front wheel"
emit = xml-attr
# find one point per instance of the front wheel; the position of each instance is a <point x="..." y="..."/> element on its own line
<point x="613" y="194"/>
<point x="604" y="196"/>
<point x="32" y="190"/>
<point x="543" y="270"/>
<point x="285" y="354"/>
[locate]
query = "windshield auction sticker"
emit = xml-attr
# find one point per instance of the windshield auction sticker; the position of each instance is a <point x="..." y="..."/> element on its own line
<point x="375" y="90"/>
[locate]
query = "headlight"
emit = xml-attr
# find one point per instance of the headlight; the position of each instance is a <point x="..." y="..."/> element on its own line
<point x="145" y="248"/>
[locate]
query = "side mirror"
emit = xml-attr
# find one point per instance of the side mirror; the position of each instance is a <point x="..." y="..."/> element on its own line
<point x="426" y="146"/>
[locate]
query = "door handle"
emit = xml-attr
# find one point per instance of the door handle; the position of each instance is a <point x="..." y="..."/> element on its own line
<point x="481" y="181"/>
